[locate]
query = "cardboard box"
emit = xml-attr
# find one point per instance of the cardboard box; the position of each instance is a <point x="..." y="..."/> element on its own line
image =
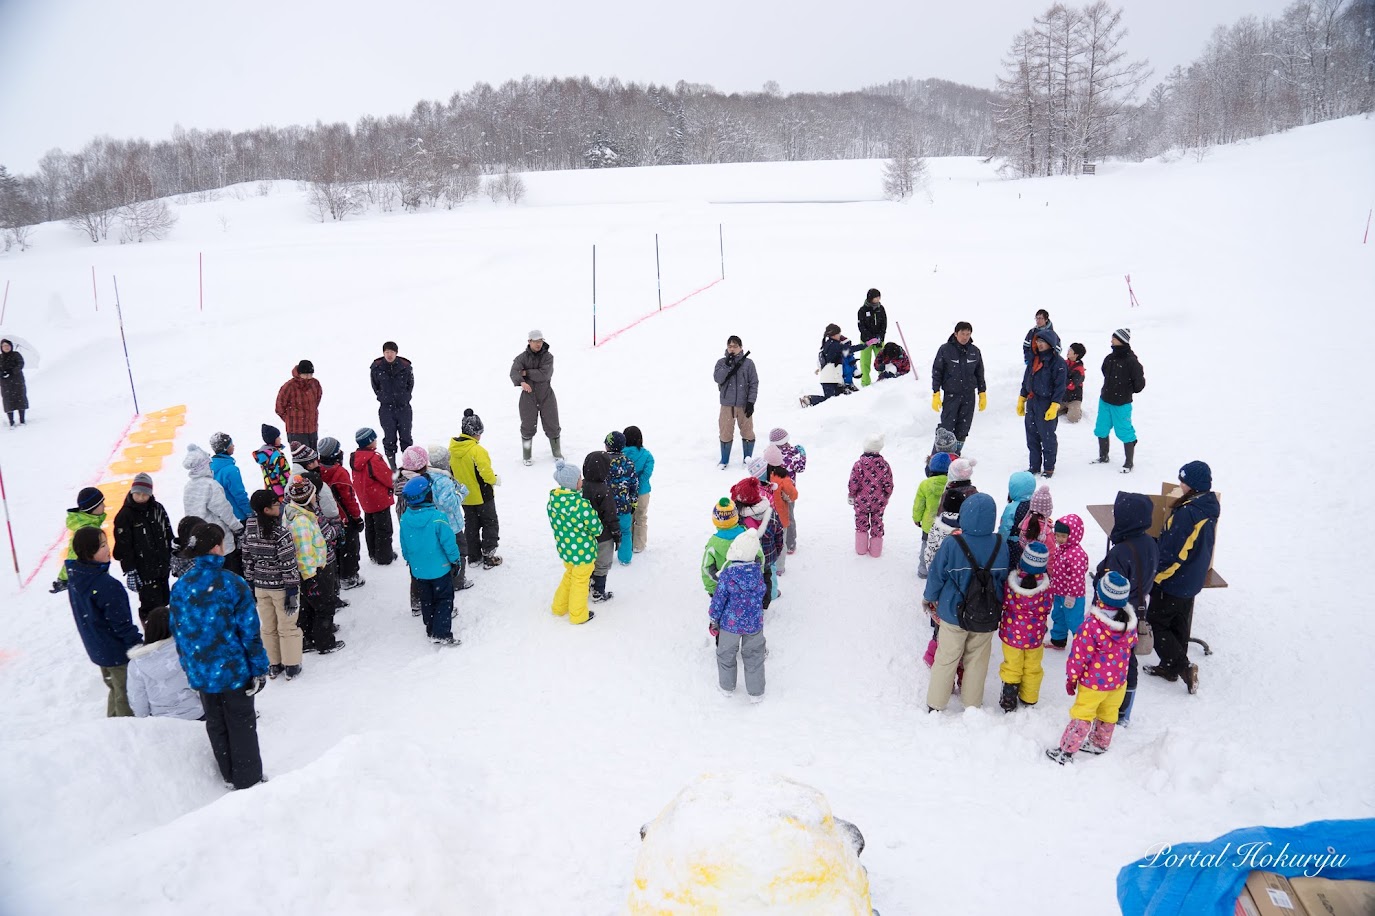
<point x="1245" y="905"/>
<point x="1160" y="505"/>
<point x="1325" y="897"/>
<point x="1273" y="895"/>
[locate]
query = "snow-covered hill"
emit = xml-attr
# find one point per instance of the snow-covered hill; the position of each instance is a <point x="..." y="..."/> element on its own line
<point x="512" y="775"/>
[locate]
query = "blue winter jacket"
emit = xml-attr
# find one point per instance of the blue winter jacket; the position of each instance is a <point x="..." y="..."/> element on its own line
<point x="427" y="542"/>
<point x="1186" y="545"/>
<point x="1020" y="486"/>
<point x="625" y="486"/>
<point x="226" y="474"/>
<point x="643" y="462"/>
<point x="448" y="495"/>
<point x="1048" y="384"/>
<point x="950" y="572"/>
<point x="100" y="606"/>
<point x="1131" y="551"/>
<point x="737" y="605"/>
<point x="215" y="623"/>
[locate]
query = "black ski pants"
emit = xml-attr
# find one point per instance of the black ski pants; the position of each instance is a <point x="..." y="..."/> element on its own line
<point x="377" y="533"/>
<point x="957" y="412"/>
<point x="484" y="531"/>
<point x="154" y="592"/>
<point x="348" y="551"/>
<point x="1171" y="618"/>
<point x="232" y="724"/>
<point x="396" y="428"/>
<point x="319" y="600"/>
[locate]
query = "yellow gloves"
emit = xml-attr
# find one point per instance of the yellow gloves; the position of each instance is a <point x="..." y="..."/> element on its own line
<point x="1051" y="411"/>
<point x="1021" y="406"/>
<point x="936" y="401"/>
<point x="983" y="399"/>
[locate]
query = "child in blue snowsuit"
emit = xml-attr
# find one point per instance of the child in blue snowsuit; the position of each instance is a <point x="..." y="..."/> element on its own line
<point x="625" y="485"/>
<point x="643" y="461"/>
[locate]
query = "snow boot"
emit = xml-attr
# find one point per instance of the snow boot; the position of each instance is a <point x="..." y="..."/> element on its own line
<point x="354" y="581"/>
<point x="1058" y="643"/>
<point x="1130" y="448"/>
<point x="293" y="672"/>
<point x="274" y="670"/>
<point x="590" y="615"/>
<point x="1099" y="738"/>
<point x="748" y="446"/>
<point x="876" y="546"/>
<point x="599" y="592"/>
<point x="930" y="656"/>
<point x="1191" y="677"/>
<point x="1102" y="452"/>
<point x="1059" y="756"/>
<point x="861" y="542"/>
<point x="391" y="461"/>
<point x="725" y="454"/>
<point x="59" y="586"/>
<point x="461" y="580"/>
<point x="1007" y="700"/>
<point x="1076" y="732"/>
<point x="526" y="445"/>
<point x="1160" y="672"/>
<point x="490" y="560"/>
<point x="338" y="644"/>
<point x="555" y="447"/>
<point x="1048" y="473"/>
<point x="446" y="641"/>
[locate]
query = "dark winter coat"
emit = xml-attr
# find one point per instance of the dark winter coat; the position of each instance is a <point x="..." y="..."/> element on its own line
<point x="298" y="403"/>
<point x="1186" y="545"/>
<point x="743" y="385"/>
<point x="269" y="555"/>
<point x="392" y="382"/>
<point x="1026" y="342"/>
<point x="1074" y="380"/>
<point x="1045" y="376"/>
<point x="899" y="364"/>
<point x="595" y="470"/>
<point x="624" y="483"/>
<point x="13" y="391"/>
<point x="535" y="368"/>
<point x="143" y="539"/>
<point x="950" y="572"/>
<point x="1122" y="376"/>
<point x="873" y="322"/>
<point x="832" y="353"/>
<point x="100" y="606"/>
<point x="958" y="369"/>
<point x="215" y="623"/>
<point x="1131" y="551"/>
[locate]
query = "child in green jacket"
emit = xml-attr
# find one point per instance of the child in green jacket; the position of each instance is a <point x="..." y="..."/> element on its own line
<point x="89" y="512"/>
<point x="928" y="501"/>
<point x="576" y="527"/>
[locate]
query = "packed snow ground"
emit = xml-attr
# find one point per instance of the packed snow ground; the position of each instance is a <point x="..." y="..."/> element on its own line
<point x="512" y="775"/>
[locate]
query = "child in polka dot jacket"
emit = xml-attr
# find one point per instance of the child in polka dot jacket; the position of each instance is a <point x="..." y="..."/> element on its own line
<point x="1068" y="569"/>
<point x="1026" y="613"/>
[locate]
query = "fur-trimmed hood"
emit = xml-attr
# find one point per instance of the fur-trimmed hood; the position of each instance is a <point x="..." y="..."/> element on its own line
<point x="147" y="648"/>
<point x="1107" y="617"/>
<point x="1014" y="584"/>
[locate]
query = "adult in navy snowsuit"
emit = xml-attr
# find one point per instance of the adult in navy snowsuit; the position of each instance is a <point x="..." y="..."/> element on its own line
<point x="958" y="371"/>
<point x="1186" y="553"/>
<point x="1131" y="552"/>
<point x="392" y="383"/>
<point x="1043" y="391"/>
<point x="215" y="623"/>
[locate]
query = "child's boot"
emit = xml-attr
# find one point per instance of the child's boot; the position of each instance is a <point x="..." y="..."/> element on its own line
<point x="1007" y="700"/>
<point x="930" y="656"/>
<point x="876" y="546"/>
<point x="1100" y="737"/>
<point x="1070" y="742"/>
<point x="861" y="542"/>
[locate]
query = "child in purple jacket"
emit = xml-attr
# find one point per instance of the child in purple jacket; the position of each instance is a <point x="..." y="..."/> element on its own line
<point x="737" y="617"/>
<point x="871" y="483"/>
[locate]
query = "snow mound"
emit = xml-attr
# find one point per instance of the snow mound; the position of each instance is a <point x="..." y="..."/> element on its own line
<point x="748" y="844"/>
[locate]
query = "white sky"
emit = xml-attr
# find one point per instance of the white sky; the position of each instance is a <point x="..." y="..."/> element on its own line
<point x="73" y="69"/>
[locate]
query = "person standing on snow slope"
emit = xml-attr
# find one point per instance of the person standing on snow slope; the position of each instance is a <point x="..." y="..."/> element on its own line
<point x="298" y="404"/>
<point x="958" y="370"/>
<point x="531" y="372"/>
<point x="392" y="383"/>
<point x="1043" y="391"/>
<point x="1122" y="378"/>
<point x="13" y="390"/>
<point x="738" y="383"/>
<point x="873" y="327"/>
<point x="1043" y="323"/>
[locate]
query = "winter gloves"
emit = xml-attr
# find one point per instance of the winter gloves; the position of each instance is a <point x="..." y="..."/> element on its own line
<point x="255" y="685"/>
<point x="714" y="629"/>
<point x="749" y="409"/>
<point x="983" y="400"/>
<point x="1071" y="686"/>
<point x="936" y="401"/>
<point x="1021" y="405"/>
<point x="292" y="602"/>
<point x="133" y="581"/>
<point x="1051" y="411"/>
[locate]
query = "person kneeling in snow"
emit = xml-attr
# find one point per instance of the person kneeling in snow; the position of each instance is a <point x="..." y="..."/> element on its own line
<point x="737" y="617"/>
<point x="892" y="361"/>
<point x="157" y="683"/>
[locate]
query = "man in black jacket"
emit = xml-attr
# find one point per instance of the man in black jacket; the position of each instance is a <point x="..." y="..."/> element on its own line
<point x="873" y="327"/>
<point x="392" y="383"/>
<point x="958" y="370"/>
<point x="1122" y="378"/>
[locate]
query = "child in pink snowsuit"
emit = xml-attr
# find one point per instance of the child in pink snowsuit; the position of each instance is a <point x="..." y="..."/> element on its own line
<point x="1067" y="572"/>
<point x="1039" y="522"/>
<point x="871" y="483"/>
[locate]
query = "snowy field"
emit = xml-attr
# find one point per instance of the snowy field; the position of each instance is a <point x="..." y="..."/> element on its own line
<point x="512" y="775"/>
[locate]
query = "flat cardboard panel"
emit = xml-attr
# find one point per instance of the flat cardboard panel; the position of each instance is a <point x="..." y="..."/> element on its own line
<point x="1324" y="896"/>
<point x="1169" y="492"/>
<point x="1273" y="895"/>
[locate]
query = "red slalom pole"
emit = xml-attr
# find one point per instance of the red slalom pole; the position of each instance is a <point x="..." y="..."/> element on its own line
<point x="916" y="376"/>
<point x="1131" y="294"/>
<point x="14" y="553"/>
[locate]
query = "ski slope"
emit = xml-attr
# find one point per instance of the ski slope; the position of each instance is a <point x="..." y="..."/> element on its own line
<point x="512" y="775"/>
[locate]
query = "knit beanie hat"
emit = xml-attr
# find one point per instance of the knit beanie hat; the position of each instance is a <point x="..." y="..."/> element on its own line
<point x="745" y="547"/>
<point x="773" y="455"/>
<point x="566" y="475"/>
<point x="270" y="434"/>
<point x="952" y="500"/>
<point x="1114" y="589"/>
<point x="196" y="460"/>
<point x="1061" y="526"/>
<point x="439" y="456"/>
<point x="747" y="492"/>
<point x="1197" y="476"/>
<point x="365" y="436"/>
<point x="143" y="483"/>
<point x="416" y="490"/>
<point x="300" y="490"/>
<point x="778" y="435"/>
<point x="260" y="500"/>
<point x="302" y="453"/>
<point x="945" y="440"/>
<point x="1123" y="334"/>
<point x="305" y="367"/>
<point x="723" y="514"/>
<point x="472" y="423"/>
<point x="220" y="442"/>
<point x="415" y="458"/>
<point x="1041" y="503"/>
<point x="939" y="463"/>
<point x="962" y="468"/>
<point x="873" y="444"/>
<point x="88" y="499"/>
<point x="329" y="450"/>
<point x="1034" y="558"/>
<point x="614" y="441"/>
<point x="757" y="466"/>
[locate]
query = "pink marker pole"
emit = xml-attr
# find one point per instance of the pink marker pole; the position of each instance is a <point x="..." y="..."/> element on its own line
<point x="1367" y="225"/>
<point x="95" y="296"/>
<point x="14" y="553"/>
<point x="200" y="260"/>
<point x="5" y="303"/>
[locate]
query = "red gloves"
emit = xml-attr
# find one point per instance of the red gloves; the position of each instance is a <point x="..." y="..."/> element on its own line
<point x="1071" y="686"/>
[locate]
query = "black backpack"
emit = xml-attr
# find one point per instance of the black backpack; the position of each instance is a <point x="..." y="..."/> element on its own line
<point x="980" y="607"/>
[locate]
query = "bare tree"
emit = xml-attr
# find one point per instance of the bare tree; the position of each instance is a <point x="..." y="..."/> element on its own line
<point x="512" y="187"/>
<point x="145" y="219"/>
<point x="493" y="189"/>
<point x="905" y="173"/>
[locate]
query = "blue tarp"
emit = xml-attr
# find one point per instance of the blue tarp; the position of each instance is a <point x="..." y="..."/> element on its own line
<point x="1204" y="879"/>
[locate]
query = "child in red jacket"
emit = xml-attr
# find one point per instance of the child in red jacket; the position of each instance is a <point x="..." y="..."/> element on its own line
<point x="340" y="483"/>
<point x="372" y="481"/>
<point x="1074" y="382"/>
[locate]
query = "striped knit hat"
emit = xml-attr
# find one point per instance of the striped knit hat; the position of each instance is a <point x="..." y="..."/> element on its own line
<point x="1034" y="559"/>
<point x="778" y="434"/>
<point x="1114" y="589"/>
<point x="723" y="514"/>
<point x="300" y="490"/>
